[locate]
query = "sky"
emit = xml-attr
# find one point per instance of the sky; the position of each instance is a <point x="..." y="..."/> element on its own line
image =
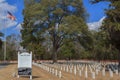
<point x="95" y="11"/>
<point x="8" y="26"/>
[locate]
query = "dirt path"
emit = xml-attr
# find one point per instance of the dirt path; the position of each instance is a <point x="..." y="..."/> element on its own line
<point x="8" y="72"/>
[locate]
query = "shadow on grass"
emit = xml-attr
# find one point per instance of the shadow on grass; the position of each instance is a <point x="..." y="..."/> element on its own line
<point x="33" y="77"/>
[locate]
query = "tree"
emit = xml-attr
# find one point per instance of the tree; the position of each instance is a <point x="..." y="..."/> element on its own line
<point x="32" y="38"/>
<point x="12" y="46"/>
<point x="1" y="44"/>
<point x="67" y="51"/>
<point x="113" y="28"/>
<point x="1" y="34"/>
<point x="60" y="19"/>
<point x="112" y="23"/>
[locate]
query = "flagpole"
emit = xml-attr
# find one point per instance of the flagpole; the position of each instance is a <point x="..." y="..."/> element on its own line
<point x="5" y="12"/>
<point x="5" y="48"/>
<point x="5" y="38"/>
<point x="12" y="18"/>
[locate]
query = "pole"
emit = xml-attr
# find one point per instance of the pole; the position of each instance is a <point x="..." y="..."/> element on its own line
<point x="5" y="37"/>
<point x="5" y="49"/>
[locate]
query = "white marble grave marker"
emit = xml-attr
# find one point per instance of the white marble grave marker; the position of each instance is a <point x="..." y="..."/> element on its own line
<point x="103" y="72"/>
<point x="60" y="74"/>
<point x="86" y="75"/>
<point x="111" y="73"/>
<point x="80" y="73"/>
<point x="93" y="75"/>
<point x="75" y="71"/>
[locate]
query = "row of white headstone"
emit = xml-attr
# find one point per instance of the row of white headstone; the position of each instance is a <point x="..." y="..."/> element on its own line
<point x="49" y="69"/>
<point x="93" y="69"/>
<point x="80" y="69"/>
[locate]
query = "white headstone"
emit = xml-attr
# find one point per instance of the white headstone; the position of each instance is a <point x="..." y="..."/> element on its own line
<point x="67" y="69"/>
<point x="52" y="71"/>
<point x="75" y="71"/>
<point x="93" y="75"/>
<point x="96" y="71"/>
<point x="70" y="70"/>
<point x="64" y="68"/>
<point x="56" y="72"/>
<point x="111" y="73"/>
<point x="116" y="71"/>
<point x="60" y="75"/>
<point x="80" y="73"/>
<point x="103" y="72"/>
<point x="61" y="68"/>
<point x="86" y="75"/>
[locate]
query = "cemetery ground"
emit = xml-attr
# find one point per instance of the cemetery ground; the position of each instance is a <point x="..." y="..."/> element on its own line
<point x="46" y="71"/>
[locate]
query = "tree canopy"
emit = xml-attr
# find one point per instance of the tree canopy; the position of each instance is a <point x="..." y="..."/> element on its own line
<point x="58" y="19"/>
<point x="57" y="29"/>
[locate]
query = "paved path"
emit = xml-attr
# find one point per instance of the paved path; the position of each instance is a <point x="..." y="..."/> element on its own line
<point x="2" y="65"/>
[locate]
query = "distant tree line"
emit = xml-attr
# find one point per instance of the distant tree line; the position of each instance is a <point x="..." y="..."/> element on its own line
<point x="12" y="47"/>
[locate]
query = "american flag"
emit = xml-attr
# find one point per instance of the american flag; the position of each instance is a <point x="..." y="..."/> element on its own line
<point x="10" y="16"/>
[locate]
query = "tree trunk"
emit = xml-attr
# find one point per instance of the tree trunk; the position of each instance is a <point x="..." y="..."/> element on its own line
<point x="119" y="63"/>
<point x="54" y="55"/>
